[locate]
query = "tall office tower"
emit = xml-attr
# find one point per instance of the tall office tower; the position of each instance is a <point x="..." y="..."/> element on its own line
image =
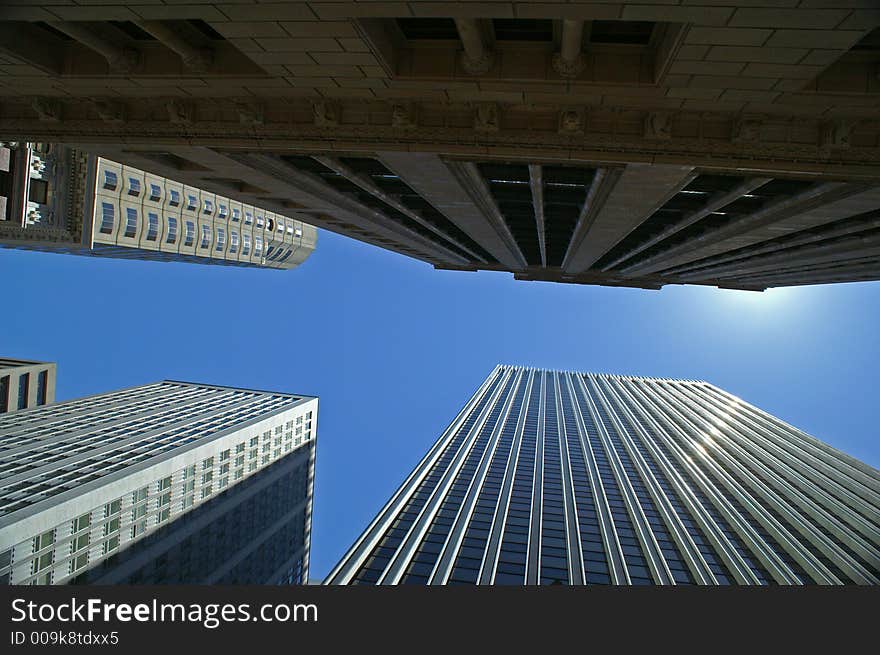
<point x="60" y="199"/>
<point x="25" y="384"/>
<point x="170" y="482"/>
<point x="550" y="477"/>
<point x="621" y="142"/>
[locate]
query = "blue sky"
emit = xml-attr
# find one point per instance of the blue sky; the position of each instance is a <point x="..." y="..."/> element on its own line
<point x="394" y="348"/>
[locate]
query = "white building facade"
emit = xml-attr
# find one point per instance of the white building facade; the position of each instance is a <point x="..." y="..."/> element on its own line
<point x="85" y="480"/>
<point x="64" y="200"/>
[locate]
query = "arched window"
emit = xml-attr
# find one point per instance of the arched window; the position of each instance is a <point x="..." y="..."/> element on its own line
<point x="172" y="230"/>
<point x="106" y="218"/>
<point x="152" y="226"/>
<point x="190" y="236"/>
<point x="131" y="221"/>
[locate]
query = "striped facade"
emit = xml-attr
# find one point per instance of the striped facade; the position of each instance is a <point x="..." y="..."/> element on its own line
<point x="171" y="482"/>
<point x="549" y="477"/>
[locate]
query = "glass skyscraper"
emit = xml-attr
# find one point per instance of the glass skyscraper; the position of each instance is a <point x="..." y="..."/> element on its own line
<point x="557" y="477"/>
<point x="160" y="483"/>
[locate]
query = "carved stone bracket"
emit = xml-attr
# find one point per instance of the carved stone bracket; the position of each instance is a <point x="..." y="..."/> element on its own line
<point x="404" y="115"/>
<point x="836" y="133"/>
<point x="48" y="109"/>
<point x="746" y="130"/>
<point x="479" y="66"/>
<point x="487" y="117"/>
<point x="110" y="111"/>
<point x="326" y="113"/>
<point x="658" y="125"/>
<point x="250" y="113"/>
<point x="180" y="113"/>
<point x="568" y="68"/>
<point x="571" y="121"/>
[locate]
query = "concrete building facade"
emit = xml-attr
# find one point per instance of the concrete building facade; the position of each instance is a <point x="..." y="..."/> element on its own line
<point x="61" y="199"/>
<point x="557" y="477"/>
<point x="620" y="143"/>
<point x="25" y="384"/>
<point x="165" y="482"/>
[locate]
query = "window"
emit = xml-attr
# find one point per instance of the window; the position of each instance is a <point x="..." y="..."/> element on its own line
<point x="79" y="543"/>
<point x="207" y="477"/>
<point x="111" y="526"/>
<point x="224" y="468"/>
<point x="208" y="463"/>
<point x="164" y="483"/>
<point x="221" y="239"/>
<point x="206" y="236"/>
<point x="163" y="515"/>
<point x="171" y="237"/>
<point x="4" y="393"/>
<point x="112" y="544"/>
<point x="43" y="562"/>
<point x="110" y="180"/>
<point x="42" y="386"/>
<point x="258" y="246"/>
<point x="290" y="229"/>
<point x="79" y="562"/>
<point x="233" y="242"/>
<point x="134" y="186"/>
<point x="24" y="381"/>
<point x="82" y="522"/>
<point x="174" y="198"/>
<point x="280" y="226"/>
<point x="225" y="455"/>
<point x="44" y="540"/>
<point x="139" y="495"/>
<point x="259" y="220"/>
<point x="113" y="508"/>
<point x="269" y="252"/>
<point x="191" y="203"/>
<point x="190" y="233"/>
<point x="245" y="244"/>
<point x="155" y="192"/>
<point x="189" y="471"/>
<point x="106" y="218"/>
<point x="206" y="491"/>
<point x="138" y="529"/>
<point x="223" y="212"/>
<point x="209" y="207"/>
<point x="248" y="218"/>
<point x="131" y="221"/>
<point x="236" y="214"/>
<point x="187" y="502"/>
<point x="298" y="232"/>
<point x="152" y="226"/>
<point x="239" y="448"/>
